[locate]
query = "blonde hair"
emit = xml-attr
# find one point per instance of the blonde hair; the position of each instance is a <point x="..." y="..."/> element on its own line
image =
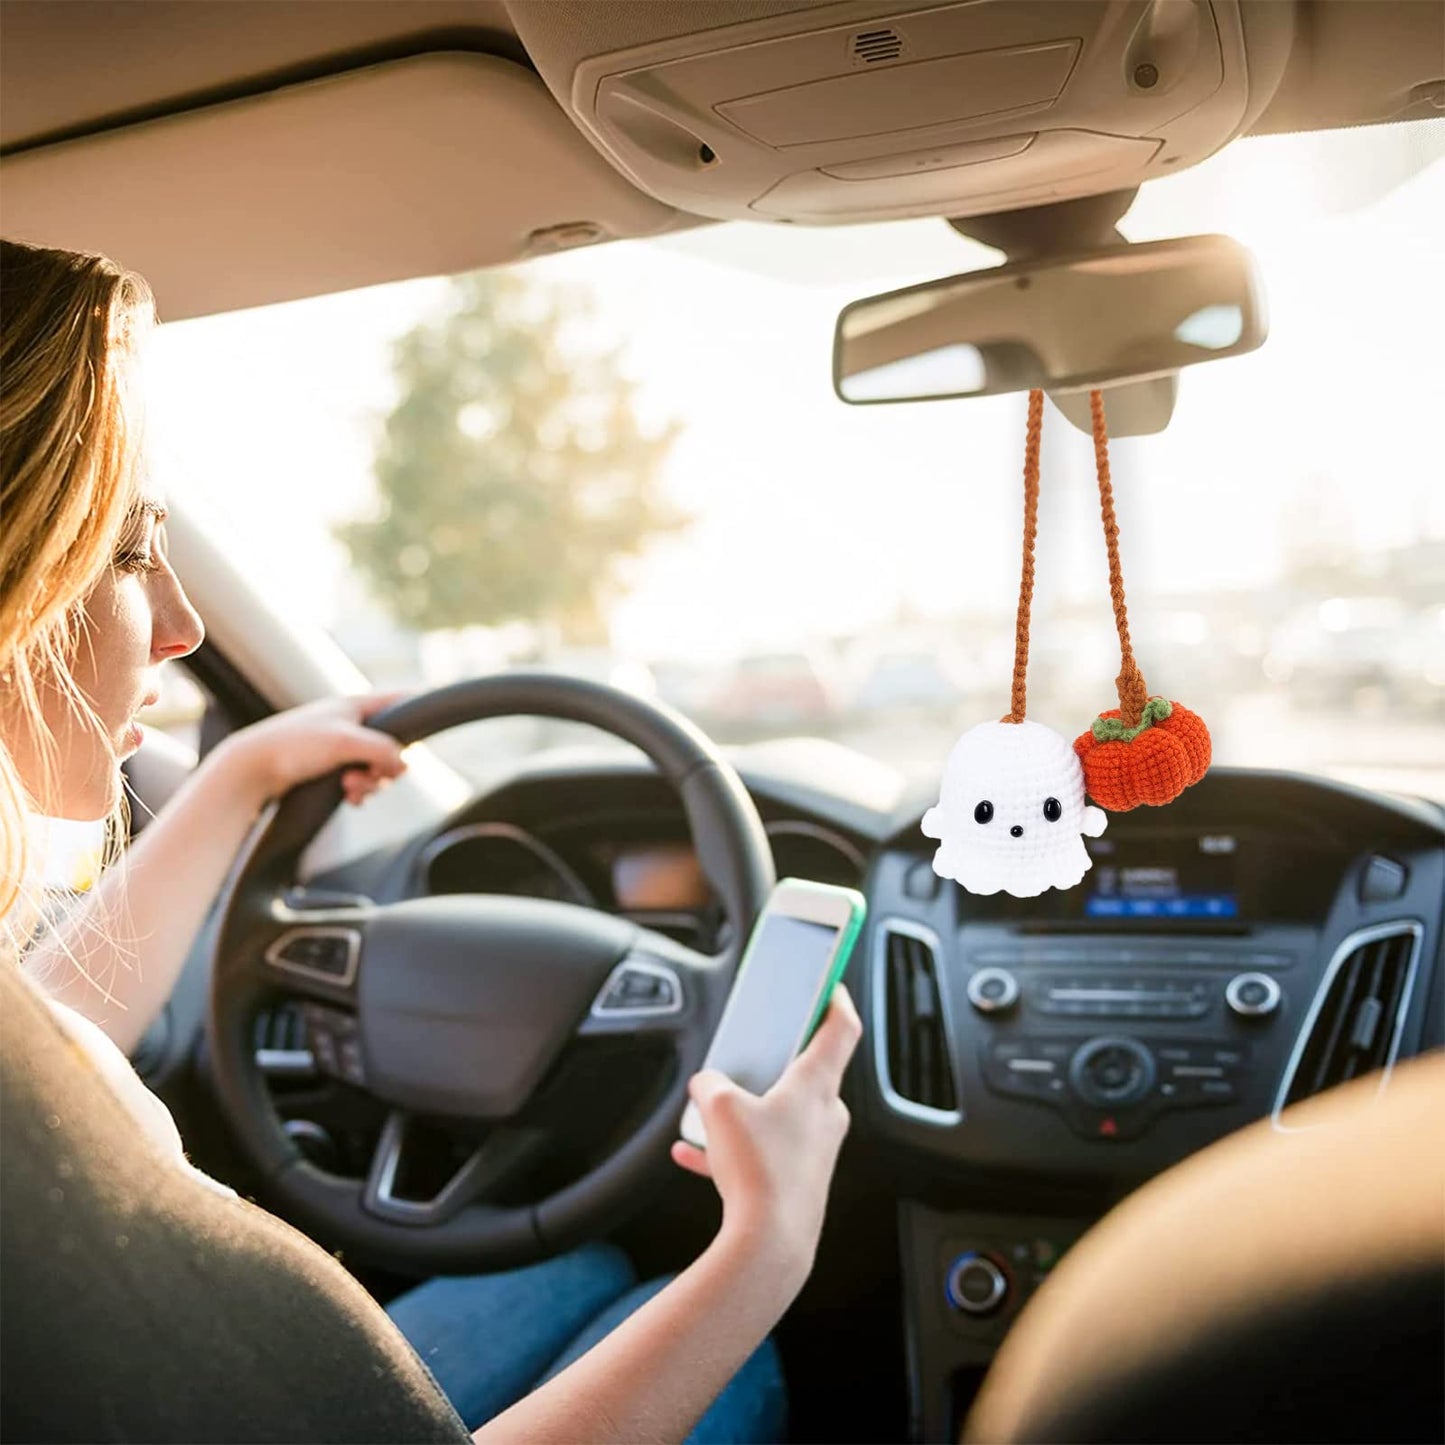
<point x="70" y="447"/>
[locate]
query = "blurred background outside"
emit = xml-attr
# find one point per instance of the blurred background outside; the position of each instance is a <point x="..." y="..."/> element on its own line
<point x="628" y="463"/>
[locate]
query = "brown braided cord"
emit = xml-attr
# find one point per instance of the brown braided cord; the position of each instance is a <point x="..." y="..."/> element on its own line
<point x="1019" y="700"/>
<point x="1132" y="689"/>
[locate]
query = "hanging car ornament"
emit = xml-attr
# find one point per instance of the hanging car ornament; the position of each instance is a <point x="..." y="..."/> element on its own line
<point x="1013" y="814"/>
<point x="1148" y="749"/>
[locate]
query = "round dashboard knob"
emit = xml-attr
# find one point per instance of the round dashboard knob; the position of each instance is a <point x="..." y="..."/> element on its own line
<point x="1110" y="1072"/>
<point x="1252" y="995"/>
<point x="993" y="990"/>
<point x="975" y="1284"/>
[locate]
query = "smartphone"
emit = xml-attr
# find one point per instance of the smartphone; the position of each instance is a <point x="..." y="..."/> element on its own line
<point x="796" y="954"/>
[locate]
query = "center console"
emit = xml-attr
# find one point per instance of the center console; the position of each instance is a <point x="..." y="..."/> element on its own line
<point x="966" y="1276"/>
<point x="1118" y="1036"/>
<point x="1106" y="1055"/>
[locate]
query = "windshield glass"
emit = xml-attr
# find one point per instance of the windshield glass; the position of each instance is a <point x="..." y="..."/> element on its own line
<point x="628" y="462"/>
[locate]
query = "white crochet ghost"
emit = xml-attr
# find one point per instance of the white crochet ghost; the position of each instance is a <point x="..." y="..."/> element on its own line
<point x="1012" y="811"/>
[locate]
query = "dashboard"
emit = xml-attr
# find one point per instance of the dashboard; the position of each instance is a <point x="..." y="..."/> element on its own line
<point x="1265" y="936"/>
<point x="1026" y="1062"/>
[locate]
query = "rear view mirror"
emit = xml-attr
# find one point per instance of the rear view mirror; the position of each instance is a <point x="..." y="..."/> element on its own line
<point x="1063" y="323"/>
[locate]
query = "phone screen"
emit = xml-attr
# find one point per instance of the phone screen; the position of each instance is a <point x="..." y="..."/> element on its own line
<point x="772" y="1001"/>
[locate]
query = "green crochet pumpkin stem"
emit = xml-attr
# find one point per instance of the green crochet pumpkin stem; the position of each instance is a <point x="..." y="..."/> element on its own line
<point x="1116" y="730"/>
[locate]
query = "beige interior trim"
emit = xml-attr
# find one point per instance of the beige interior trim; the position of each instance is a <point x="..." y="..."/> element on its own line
<point x="285" y="662"/>
<point x="432" y="165"/>
<point x="1357" y="62"/>
<point x="81" y="66"/>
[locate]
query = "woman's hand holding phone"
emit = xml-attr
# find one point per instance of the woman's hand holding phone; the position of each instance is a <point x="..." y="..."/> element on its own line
<point x="772" y="1157"/>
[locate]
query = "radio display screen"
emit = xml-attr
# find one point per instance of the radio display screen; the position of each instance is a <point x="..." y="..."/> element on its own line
<point x="1151" y="876"/>
<point x="1194" y="876"/>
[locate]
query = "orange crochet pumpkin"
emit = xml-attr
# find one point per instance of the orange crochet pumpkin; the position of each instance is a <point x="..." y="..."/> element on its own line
<point x="1152" y="763"/>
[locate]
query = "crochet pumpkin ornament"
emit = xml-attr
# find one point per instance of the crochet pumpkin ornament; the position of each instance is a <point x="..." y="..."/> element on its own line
<point x="1012" y="812"/>
<point x="1148" y="749"/>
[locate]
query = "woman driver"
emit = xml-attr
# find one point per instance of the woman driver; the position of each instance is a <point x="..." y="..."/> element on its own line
<point x="571" y="1349"/>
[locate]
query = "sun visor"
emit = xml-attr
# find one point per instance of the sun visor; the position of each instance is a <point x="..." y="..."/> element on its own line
<point x="425" y="166"/>
<point x="958" y="109"/>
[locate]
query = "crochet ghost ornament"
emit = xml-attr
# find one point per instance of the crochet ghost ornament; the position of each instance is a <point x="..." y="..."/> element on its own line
<point x="1011" y="815"/>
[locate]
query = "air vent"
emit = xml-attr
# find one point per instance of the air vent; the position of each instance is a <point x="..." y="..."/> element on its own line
<point x="915" y="1063"/>
<point x="1354" y="1025"/>
<point x="874" y="47"/>
<point x="279" y="1039"/>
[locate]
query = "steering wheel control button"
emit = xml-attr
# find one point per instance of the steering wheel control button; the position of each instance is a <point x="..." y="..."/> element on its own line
<point x="334" y="1042"/>
<point x="637" y="989"/>
<point x="1112" y="1072"/>
<point x="1252" y="995"/>
<point x="993" y="990"/>
<point x="975" y="1284"/>
<point x="349" y="1059"/>
<point x="329" y="954"/>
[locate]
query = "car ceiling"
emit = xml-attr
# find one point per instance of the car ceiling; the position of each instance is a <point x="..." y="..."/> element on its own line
<point x="289" y="149"/>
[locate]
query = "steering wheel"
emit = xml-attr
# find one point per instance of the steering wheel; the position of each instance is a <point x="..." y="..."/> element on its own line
<point x="459" y="1006"/>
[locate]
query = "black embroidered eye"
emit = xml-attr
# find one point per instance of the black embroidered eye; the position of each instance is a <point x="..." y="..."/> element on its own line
<point x="1053" y="809"/>
<point x="984" y="812"/>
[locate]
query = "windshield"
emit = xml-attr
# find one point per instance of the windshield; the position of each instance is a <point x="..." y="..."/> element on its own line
<point x="628" y="462"/>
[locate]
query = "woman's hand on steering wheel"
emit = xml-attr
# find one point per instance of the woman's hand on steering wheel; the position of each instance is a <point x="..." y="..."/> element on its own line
<point x="772" y="1157"/>
<point x="293" y="747"/>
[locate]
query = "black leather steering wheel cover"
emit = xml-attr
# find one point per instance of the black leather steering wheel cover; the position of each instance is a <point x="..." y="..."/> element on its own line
<point x="734" y="854"/>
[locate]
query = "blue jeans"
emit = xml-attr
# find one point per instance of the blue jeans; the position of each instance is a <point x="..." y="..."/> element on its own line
<point x="489" y="1339"/>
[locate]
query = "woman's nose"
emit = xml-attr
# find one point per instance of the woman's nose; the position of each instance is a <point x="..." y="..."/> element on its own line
<point x="177" y="629"/>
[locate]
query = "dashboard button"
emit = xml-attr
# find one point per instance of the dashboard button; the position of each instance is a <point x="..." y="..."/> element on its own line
<point x="993" y="990"/>
<point x="1252" y="995"/>
<point x="1110" y="1072"/>
<point x="1107" y="1126"/>
<point x="975" y="1284"/>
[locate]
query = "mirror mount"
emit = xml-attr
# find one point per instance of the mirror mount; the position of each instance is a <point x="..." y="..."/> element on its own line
<point x="1064" y="228"/>
<point x="1136" y="408"/>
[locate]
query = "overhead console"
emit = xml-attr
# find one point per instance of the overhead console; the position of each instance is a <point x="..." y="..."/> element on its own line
<point x="876" y="111"/>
